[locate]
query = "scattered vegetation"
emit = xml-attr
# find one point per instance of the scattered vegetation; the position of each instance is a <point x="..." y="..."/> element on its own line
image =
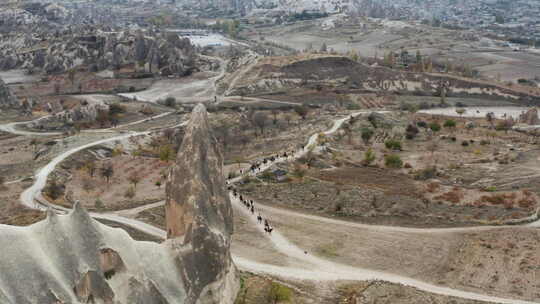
<point x="393" y="144"/>
<point x="393" y="161"/>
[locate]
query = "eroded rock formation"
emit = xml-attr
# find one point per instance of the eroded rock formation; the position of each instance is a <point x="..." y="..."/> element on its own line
<point x="199" y="213"/>
<point x="7" y="99"/>
<point x="75" y="259"/>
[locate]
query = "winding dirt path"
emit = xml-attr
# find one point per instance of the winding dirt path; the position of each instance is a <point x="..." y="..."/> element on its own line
<point x="320" y="269"/>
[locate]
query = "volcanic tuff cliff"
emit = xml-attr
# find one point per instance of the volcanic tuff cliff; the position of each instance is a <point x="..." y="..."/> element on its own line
<point x="199" y="212"/>
<point x="75" y="259"/>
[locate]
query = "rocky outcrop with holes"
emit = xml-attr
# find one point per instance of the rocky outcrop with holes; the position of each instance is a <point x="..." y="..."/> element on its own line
<point x="75" y="259"/>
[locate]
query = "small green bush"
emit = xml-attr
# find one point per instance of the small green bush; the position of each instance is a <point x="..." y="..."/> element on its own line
<point x="98" y="204"/>
<point x="435" y="126"/>
<point x="369" y="157"/>
<point x="425" y="174"/>
<point x="367" y="134"/>
<point x="393" y="161"/>
<point x="130" y="193"/>
<point x="279" y="293"/>
<point x="490" y="189"/>
<point x="393" y="144"/>
<point x="450" y="123"/>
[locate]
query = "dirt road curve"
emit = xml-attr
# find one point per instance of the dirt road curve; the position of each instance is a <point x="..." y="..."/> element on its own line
<point x="319" y="269"/>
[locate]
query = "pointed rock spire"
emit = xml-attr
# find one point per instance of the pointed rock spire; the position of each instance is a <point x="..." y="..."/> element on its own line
<point x="52" y="217"/>
<point x="80" y="215"/>
<point x="196" y="186"/>
<point x="199" y="214"/>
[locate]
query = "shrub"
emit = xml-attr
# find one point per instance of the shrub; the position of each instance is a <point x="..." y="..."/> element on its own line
<point x="453" y="196"/>
<point x="490" y="189"/>
<point x="302" y="111"/>
<point x="422" y="124"/>
<point x="425" y="174"/>
<point x="116" y="108"/>
<point x="338" y="207"/>
<point x="506" y="200"/>
<point x="170" y="102"/>
<point x="435" y="126"/>
<point x="54" y="190"/>
<point x="117" y="151"/>
<point x="367" y="134"/>
<point x="504" y="125"/>
<point x="299" y="172"/>
<point x="353" y="106"/>
<point x="424" y="105"/>
<point x="98" y="204"/>
<point x="166" y="153"/>
<point x="527" y="202"/>
<point x="369" y="157"/>
<point x="393" y="144"/>
<point x="450" y="123"/>
<point x="393" y="161"/>
<point x="130" y="192"/>
<point x="411" y="132"/>
<point x="279" y="293"/>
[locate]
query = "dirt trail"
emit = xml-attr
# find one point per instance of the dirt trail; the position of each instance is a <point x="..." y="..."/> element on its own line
<point x="320" y="269"/>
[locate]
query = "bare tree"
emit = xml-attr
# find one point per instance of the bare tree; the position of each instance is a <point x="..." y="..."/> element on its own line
<point x="302" y="111"/>
<point x="223" y="134"/>
<point x="107" y="171"/>
<point x="260" y="119"/>
<point x="288" y="118"/>
<point x="91" y="167"/>
<point x="275" y="113"/>
<point x="134" y="178"/>
<point x="88" y="184"/>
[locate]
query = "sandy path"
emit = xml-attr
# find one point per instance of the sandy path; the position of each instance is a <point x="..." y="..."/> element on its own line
<point x="320" y="269"/>
<point x="12" y="127"/>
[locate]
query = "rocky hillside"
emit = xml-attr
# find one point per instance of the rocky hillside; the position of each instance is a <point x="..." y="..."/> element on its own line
<point x="75" y="259"/>
<point x="248" y="6"/>
<point x="330" y="71"/>
<point x="164" y="54"/>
